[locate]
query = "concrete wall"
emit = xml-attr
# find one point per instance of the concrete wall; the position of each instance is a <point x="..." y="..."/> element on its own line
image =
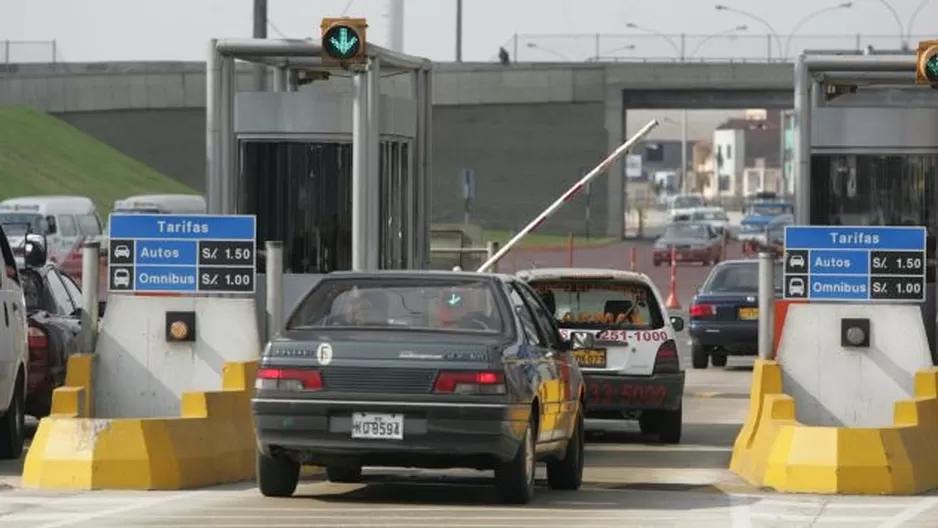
<point x="527" y="128"/>
<point x="851" y="387"/>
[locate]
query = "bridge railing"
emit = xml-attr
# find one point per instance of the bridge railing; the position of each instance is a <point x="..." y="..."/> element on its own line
<point x="685" y="47"/>
<point x="28" y="51"/>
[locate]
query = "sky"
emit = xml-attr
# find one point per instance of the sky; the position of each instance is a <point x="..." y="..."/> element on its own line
<point x="103" y="30"/>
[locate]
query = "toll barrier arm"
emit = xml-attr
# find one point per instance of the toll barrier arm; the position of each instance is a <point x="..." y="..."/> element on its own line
<point x="569" y="195"/>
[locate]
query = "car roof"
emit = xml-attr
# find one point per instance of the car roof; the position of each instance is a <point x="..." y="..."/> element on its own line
<point x="433" y="274"/>
<point x="570" y="273"/>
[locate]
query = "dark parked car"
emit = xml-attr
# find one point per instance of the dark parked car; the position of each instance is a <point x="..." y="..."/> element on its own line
<point x="692" y="242"/>
<point x="724" y="315"/>
<point x="420" y="369"/>
<point x="53" y="315"/>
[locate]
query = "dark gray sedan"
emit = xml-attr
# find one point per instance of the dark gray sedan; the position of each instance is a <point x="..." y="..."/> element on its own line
<point x="420" y="369"/>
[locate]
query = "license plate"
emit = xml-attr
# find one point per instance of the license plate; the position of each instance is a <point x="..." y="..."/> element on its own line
<point x="748" y="314"/>
<point x="591" y="357"/>
<point x="378" y="426"/>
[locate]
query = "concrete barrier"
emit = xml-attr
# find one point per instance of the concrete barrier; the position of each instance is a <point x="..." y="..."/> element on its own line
<point x="211" y="442"/>
<point x="774" y="450"/>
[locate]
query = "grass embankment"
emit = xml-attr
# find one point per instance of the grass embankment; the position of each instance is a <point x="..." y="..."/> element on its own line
<point x="545" y="241"/>
<point x="40" y="154"/>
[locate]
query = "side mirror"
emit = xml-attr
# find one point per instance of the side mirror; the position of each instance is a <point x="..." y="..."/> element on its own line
<point x="35" y="250"/>
<point x="581" y="340"/>
<point x="677" y="323"/>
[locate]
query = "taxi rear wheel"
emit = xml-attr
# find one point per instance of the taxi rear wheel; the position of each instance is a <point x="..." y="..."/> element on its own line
<point x="567" y="474"/>
<point x="514" y="480"/>
<point x="668" y="425"/>
<point x="718" y="359"/>
<point x="277" y="477"/>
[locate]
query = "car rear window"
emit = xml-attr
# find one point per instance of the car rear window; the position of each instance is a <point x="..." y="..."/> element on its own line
<point x="588" y="304"/>
<point x="402" y="304"/>
<point x="739" y="277"/>
<point x="686" y="231"/>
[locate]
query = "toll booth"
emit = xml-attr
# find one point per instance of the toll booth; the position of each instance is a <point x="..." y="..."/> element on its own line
<point x="336" y="170"/>
<point x="866" y="151"/>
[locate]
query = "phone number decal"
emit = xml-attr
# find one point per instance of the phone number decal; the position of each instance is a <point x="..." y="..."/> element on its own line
<point x="625" y="336"/>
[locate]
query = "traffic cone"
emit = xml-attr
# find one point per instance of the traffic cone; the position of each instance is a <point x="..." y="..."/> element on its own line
<point x="672" y="303"/>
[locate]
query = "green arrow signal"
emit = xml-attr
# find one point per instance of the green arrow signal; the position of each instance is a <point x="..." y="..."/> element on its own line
<point x="344" y="42"/>
<point x="453" y="300"/>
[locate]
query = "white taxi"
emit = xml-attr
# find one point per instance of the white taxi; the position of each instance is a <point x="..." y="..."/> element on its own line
<point x="624" y="342"/>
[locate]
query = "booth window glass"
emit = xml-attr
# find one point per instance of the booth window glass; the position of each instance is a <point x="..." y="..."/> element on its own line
<point x="301" y="194"/>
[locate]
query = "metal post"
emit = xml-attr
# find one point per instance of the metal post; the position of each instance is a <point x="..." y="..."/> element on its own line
<point x="416" y="176"/>
<point x="375" y="246"/>
<point x="260" y="32"/>
<point x="396" y="23"/>
<point x="274" y="274"/>
<point x="684" y="185"/>
<point x="226" y="127"/>
<point x="766" y="305"/>
<point x="280" y="79"/>
<point x="427" y="153"/>
<point x="459" y="31"/>
<point x="491" y="248"/>
<point x="90" y="278"/>
<point x="802" y="164"/>
<point x="360" y="173"/>
<point x="213" y="82"/>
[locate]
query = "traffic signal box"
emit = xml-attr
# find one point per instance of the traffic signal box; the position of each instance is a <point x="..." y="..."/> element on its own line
<point x="926" y="67"/>
<point x="344" y="41"/>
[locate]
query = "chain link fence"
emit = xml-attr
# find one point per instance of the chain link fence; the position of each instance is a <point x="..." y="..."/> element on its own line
<point x="28" y="51"/>
<point x="737" y="47"/>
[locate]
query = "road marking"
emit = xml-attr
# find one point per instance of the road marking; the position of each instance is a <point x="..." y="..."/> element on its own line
<point x="910" y="513"/>
<point x="71" y="519"/>
<point x="740" y="512"/>
<point x="817" y="519"/>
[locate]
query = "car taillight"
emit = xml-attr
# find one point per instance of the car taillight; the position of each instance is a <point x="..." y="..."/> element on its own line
<point x="37" y="338"/>
<point x="470" y="382"/>
<point x="288" y="379"/>
<point x="702" y="310"/>
<point x="666" y="360"/>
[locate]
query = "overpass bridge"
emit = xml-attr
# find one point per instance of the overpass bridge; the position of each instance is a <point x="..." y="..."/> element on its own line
<point x="514" y="124"/>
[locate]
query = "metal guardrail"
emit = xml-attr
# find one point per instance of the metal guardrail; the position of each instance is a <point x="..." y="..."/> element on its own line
<point x="28" y="51"/>
<point x="686" y="47"/>
<point x="464" y="258"/>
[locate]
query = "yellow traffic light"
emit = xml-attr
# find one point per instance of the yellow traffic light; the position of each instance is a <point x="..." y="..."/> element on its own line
<point x="344" y="40"/>
<point x="926" y="67"/>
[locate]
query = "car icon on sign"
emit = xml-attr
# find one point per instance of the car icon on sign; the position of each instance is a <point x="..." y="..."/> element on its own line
<point x="796" y="261"/>
<point x="796" y="286"/>
<point x="121" y="278"/>
<point x="122" y="252"/>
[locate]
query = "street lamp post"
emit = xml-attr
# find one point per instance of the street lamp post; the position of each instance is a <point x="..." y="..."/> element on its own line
<point x="628" y="47"/>
<point x="712" y="36"/>
<point x="905" y="30"/>
<point x="757" y="18"/>
<point x="810" y="16"/>
<point x="556" y="53"/>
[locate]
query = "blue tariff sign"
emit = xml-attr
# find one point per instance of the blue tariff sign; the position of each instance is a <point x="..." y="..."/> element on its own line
<point x="855" y="263"/>
<point x="182" y="253"/>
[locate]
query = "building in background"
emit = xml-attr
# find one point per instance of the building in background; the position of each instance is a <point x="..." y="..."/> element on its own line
<point x="746" y="155"/>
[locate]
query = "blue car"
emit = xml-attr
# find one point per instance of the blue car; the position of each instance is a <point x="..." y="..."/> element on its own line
<point x="724" y="315"/>
<point x="758" y="218"/>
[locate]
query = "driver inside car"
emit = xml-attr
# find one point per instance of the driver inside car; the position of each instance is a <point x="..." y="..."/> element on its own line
<point x="469" y="308"/>
<point x="361" y="309"/>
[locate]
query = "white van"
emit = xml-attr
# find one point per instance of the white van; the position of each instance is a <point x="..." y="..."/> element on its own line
<point x="162" y="204"/>
<point x="67" y="221"/>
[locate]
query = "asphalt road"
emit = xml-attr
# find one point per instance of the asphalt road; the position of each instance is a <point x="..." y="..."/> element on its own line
<point x="630" y="480"/>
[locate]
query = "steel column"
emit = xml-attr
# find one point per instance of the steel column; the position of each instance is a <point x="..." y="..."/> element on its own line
<point x="802" y="162"/>
<point x="376" y="247"/>
<point x="213" y="89"/>
<point x="427" y="151"/>
<point x="360" y="151"/>
<point x="226" y="104"/>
